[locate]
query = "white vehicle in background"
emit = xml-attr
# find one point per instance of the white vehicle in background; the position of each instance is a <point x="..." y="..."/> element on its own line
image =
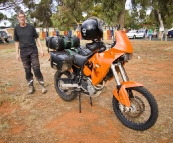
<point x="3" y="36"/>
<point x="136" y="34"/>
<point x="8" y="34"/>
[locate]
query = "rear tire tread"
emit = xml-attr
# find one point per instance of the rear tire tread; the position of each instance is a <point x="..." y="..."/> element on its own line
<point x="61" y="94"/>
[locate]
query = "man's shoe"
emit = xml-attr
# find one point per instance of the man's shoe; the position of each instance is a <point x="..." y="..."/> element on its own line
<point x="43" y="89"/>
<point x="31" y="90"/>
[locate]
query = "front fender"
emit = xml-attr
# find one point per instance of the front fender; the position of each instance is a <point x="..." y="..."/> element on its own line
<point x="121" y="95"/>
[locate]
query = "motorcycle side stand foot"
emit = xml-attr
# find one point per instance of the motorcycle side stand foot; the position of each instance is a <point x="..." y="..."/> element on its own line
<point x="79" y="94"/>
<point x="91" y="103"/>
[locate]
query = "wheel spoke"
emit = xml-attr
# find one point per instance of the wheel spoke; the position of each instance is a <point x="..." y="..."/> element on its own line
<point x="143" y="110"/>
<point x="138" y="109"/>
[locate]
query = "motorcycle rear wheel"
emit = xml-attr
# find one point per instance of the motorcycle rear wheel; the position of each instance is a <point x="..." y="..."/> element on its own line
<point x="65" y="94"/>
<point x="143" y="110"/>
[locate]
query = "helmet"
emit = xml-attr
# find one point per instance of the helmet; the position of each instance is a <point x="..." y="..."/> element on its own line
<point x="91" y="29"/>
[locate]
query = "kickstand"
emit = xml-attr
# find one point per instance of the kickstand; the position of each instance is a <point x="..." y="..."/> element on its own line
<point x="91" y="103"/>
<point x="79" y="94"/>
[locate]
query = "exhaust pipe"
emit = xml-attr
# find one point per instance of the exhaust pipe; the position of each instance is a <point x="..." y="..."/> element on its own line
<point x="69" y="85"/>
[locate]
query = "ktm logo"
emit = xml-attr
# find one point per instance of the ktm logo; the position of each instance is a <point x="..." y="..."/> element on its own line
<point x="84" y="32"/>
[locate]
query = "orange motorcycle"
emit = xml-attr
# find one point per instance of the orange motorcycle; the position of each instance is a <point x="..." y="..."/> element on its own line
<point x="86" y="69"/>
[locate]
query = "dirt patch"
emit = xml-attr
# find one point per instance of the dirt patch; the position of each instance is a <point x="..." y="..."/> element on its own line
<point x="46" y="118"/>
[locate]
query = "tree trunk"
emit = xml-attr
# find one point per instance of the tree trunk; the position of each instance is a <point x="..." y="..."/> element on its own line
<point x="121" y="19"/>
<point x="121" y="15"/>
<point x="161" y="24"/>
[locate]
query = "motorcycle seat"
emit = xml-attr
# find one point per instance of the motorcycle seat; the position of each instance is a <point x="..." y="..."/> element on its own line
<point x="96" y="46"/>
<point x="79" y="60"/>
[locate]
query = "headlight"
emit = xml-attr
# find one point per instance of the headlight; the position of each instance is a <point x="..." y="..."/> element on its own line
<point x="125" y="57"/>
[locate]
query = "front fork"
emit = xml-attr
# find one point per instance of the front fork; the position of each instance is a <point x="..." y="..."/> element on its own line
<point x="121" y="93"/>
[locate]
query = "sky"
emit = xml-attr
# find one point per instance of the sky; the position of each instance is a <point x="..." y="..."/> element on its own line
<point x="8" y="14"/>
<point x="128" y="4"/>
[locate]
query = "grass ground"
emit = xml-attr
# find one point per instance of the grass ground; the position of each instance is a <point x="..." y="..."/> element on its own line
<point x="47" y="118"/>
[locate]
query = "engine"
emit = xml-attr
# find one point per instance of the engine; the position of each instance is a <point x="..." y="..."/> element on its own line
<point x="90" y="88"/>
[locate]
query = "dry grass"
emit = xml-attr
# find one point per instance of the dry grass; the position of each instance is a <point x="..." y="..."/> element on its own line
<point x="46" y="118"/>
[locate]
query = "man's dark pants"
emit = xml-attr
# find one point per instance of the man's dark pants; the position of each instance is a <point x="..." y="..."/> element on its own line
<point x="29" y="57"/>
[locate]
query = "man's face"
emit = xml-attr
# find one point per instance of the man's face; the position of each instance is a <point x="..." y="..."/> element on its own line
<point x="21" y="18"/>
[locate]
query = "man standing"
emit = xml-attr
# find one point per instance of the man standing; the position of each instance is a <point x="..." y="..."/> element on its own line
<point x="25" y="37"/>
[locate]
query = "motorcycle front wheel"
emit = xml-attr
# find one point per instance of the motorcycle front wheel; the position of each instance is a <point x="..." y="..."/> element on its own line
<point x="67" y="94"/>
<point x="143" y="111"/>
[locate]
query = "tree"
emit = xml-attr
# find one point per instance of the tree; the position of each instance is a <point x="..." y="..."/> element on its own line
<point x="162" y="9"/>
<point x="113" y="12"/>
<point x="10" y="4"/>
<point x="64" y="14"/>
<point x="70" y="13"/>
<point x="42" y="12"/>
<point x="13" y="20"/>
<point x="2" y="16"/>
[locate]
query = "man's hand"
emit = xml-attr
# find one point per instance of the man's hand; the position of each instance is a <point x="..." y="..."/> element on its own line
<point x="18" y="57"/>
<point x="42" y="52"/>
<point x="41" y="48"/>
<point x="17" y="50"/>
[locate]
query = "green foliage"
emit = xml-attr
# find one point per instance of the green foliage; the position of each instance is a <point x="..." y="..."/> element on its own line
<point x="165" y="8"/>
<point x="70" y="14"/>
<point x="13" y="20"/>
<point x="111" y="10"/>
<point x="66" y="14"/>
<point x="2" y="16"/>
<point x="42" y="12"/>
<point x="10" y="4"/>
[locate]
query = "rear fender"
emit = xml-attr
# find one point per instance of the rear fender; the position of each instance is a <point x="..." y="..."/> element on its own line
<point x="122" y="95"/>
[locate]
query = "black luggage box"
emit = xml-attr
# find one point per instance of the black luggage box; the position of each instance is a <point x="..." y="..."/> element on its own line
<point x="61" y="61"/>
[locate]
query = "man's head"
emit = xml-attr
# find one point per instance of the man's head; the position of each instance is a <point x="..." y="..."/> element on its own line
<point x="21" y="18"/>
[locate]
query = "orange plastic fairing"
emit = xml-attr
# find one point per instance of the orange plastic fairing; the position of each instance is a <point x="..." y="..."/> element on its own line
<point x="101" y="64"/>
<point x="87" y="71"/>
<point x="102" y="61"/>
<point x="122" y="95"/>
<point x="123" y="42"/>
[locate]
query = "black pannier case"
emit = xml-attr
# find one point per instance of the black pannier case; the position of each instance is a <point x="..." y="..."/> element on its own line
<point x="61" y="61"/>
